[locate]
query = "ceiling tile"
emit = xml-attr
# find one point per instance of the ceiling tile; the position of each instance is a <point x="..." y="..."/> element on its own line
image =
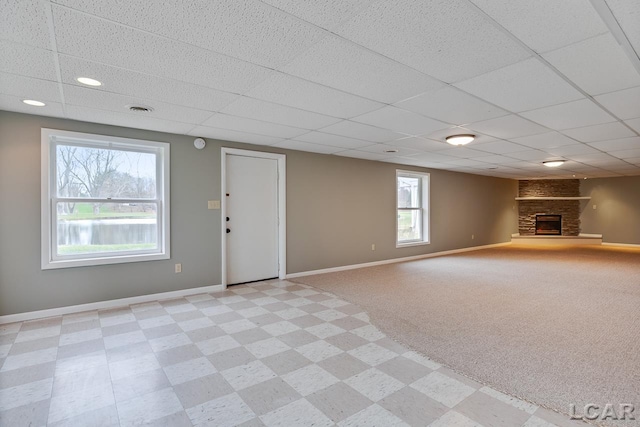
<point x="435" y="157"/>
<point x="627" y="154"/>
<point x="635" y="161"/>
<point x="332" y="140"/>
<point x="25" y="22"/>
<point x="497" y="159"/>
<point x="571" y="150"/>
<point x="626" y="13"/>
<point x="545" y="25"/>
<point x="340" y="64"/>
<point x="600" y="132"/>
<point x="307" y="146"/>
<point x="525" y="165"/>
<point x="132" y="83"/>
<point x="234" y="136"/>
<point x="97" y="40"/>
<point x="618" y="144"/>
<point x="402" y="121"/>
<point x="135" y="121"/>
<point x="507" y="127"/>
<point x="167" y="18"/>
<point x="360" y="131"/>
<point x="570" y="115"/>
<point x="29" y="88"/>
<point x="623" y="103"/>
<point x="544" y="140"/>
<point x="533" y="155"/>
<point x="499" y="147"/>
<point x="592" y="159"/>
<point x="463" y="153"/>
<point x="248" y="30"/>
<point x="292" y="91"/>
<point x="598" y="65"/>
<point x="418" y="143"/>
<point x="390" y="150"/>
<point x="523" y="86"/>
<point x="634" y="123"/>
<point x="275" y="113"/>
<point x="409" y="161"/>
<point x="323" y="13"/>
<point x="14" y="103"/>
<point x="451" y="105"/>
<point x="92" y="98"/>
<point x="468" y="163"/>
<point x="243" y="124"/>
<point x="434" y="37"/>
<point x="27" y="61"/>
<point x="362" y="155"/>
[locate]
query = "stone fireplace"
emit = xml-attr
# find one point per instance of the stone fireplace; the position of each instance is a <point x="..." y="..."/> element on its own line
<point x="555" y="201"/>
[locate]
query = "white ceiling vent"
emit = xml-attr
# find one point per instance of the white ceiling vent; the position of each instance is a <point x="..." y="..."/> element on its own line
<point x="140" y="108"/>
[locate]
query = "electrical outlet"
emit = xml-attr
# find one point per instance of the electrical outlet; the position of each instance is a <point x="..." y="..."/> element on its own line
<point x="178" y="268"/>
<point x="473" y="236"/>
<point x="594" y="206"/>
<point x="213" y="204"/>
<point x="373" y="246"/>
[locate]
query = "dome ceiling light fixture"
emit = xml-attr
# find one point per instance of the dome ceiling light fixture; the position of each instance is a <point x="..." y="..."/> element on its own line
<point x="462" y="139"/>
<point x="553" y="163"/>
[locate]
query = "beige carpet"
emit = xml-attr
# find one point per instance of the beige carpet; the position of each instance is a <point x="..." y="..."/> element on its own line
<point x="552" y="325"/>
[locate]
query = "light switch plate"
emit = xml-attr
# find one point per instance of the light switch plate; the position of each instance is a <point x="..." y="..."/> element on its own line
<point x="213" y="204"/>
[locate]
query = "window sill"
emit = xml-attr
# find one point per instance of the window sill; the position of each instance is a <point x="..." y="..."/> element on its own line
<point x="89" y="262"/>
<point x="406" y="245"/>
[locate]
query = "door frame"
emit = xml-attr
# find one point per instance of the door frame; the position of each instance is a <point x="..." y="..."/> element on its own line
<point x="282" y="206"/>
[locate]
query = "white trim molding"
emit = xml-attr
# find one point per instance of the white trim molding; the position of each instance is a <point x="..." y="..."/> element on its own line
<point x="394" y="260"/>
<point x="101" y="305"/>
<point x="622" y="245"/>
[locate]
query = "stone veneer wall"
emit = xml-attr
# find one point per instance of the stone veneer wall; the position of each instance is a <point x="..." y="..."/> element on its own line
<point x="569" y="209"/>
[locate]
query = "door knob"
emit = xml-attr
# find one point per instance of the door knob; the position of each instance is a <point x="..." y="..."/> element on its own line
<point x="228" y="230"/>
<point x="227" y="218"/>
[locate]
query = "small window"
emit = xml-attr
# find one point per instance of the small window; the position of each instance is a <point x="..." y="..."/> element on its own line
<point x="412" y="224"/>
<point x="105" y="200"/>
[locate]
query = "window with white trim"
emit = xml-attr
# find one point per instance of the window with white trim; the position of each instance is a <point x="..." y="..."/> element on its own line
<point x="412" y="208"/>
<point x="105" y="200"/>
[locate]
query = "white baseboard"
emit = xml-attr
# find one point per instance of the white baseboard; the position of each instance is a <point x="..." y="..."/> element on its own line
<point x="393" y="260"/>
<point x="624" y="245"/>
<point x="101" y="305"/>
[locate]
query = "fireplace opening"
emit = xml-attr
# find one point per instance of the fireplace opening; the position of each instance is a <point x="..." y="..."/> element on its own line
<point x="549" y="225"/>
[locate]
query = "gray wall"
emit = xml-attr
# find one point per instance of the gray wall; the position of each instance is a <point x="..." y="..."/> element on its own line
<point x="336" y="208"/>
<point x="617" y="213"/>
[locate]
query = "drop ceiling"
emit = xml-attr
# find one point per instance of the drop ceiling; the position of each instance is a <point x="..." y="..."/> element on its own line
<point x="378" y="80"/>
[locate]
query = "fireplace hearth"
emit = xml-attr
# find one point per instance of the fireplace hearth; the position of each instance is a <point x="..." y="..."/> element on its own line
<point x="549" y="225"/>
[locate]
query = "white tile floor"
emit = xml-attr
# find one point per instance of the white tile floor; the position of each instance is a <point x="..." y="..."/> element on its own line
<point x="266" y="354"/>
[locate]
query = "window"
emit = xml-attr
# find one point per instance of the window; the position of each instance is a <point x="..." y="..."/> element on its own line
<point x="412" y="208"/>
<point x="105" y="200"/>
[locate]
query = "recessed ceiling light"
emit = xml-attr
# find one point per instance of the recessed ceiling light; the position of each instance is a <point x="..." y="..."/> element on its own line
<point x="34" y="103"/>
<point x="460" y="139"/>
<point x="553" y="163"/>
<point x="89" y="81"/>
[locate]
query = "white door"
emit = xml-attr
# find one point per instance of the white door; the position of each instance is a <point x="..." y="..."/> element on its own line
<point x="251" y="197"/>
